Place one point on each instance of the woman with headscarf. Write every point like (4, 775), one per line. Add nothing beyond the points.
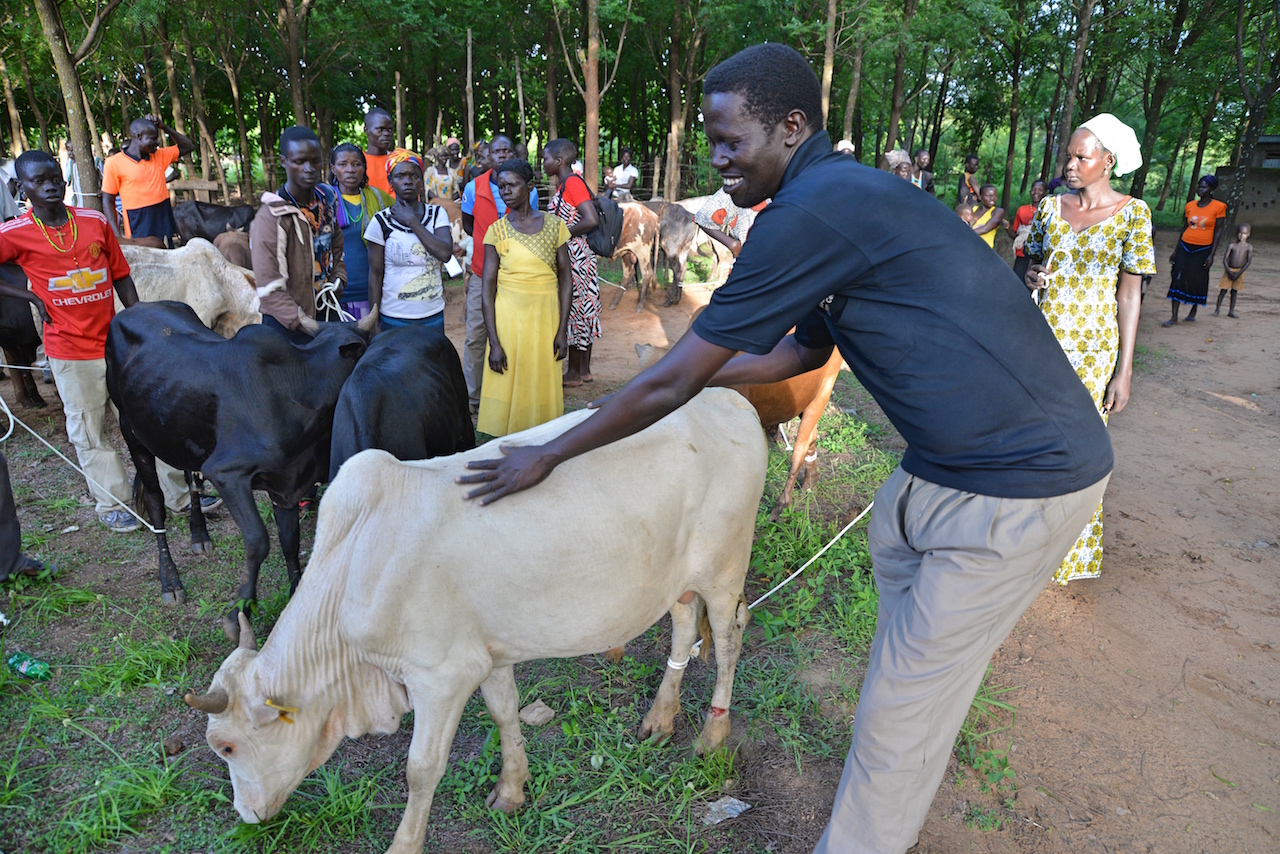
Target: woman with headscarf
(528, 291)
(1089, 250)
(357, 203)
(441, 183)
(1193, 256)
(407, 244)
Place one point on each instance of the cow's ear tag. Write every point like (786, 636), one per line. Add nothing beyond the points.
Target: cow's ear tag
(284, 711)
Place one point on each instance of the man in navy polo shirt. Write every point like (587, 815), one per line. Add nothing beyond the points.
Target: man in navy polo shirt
(1006, 459)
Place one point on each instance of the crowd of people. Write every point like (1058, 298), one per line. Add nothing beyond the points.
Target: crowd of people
(1006, 434)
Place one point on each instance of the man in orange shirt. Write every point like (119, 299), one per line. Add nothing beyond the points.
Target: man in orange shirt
(136, 175)
(1193, 256)
(380, 132)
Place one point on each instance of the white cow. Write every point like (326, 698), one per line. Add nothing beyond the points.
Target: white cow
(222, 294)
(414, 597)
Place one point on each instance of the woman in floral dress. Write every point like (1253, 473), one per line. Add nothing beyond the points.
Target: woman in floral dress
(1089, 251)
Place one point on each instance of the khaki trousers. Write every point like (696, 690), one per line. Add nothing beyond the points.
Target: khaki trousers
(955, 571)
(477, 338)
(82, 385)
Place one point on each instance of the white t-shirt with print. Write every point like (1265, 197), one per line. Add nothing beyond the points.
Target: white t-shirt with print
(411, 286)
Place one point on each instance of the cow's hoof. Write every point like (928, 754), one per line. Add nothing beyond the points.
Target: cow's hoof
(673, 298)
(713, 734)
(501, 804)
(173, 597)
(202, 548)
(231, 627)
(657, 731)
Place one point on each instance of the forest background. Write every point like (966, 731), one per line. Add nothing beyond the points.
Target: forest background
(1005, 78)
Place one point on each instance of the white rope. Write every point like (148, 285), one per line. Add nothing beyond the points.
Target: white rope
(21, 367)
(783, 434)
(789, 578)
(327, 298)
(677, 665)
(13, 419)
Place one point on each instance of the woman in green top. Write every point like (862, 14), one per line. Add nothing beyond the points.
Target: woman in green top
(359, 202)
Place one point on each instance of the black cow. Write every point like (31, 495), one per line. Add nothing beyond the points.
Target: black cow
(19, 339)
(201, 219)
(251, 412)
(406, 397)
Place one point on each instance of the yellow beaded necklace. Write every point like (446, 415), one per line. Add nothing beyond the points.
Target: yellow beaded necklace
(75, 233)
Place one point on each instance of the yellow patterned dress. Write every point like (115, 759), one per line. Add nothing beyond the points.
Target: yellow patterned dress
(1080, 305)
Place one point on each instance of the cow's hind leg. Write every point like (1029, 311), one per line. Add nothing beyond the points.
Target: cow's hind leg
(728, 620)
(171, 592)
(660, 721)
(288, 528)
(503, 701)
(24, 384)
(237, 497)
(200, 542)
(437, 708)
(675, 291)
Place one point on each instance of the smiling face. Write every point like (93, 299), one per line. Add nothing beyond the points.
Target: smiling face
(1087, 161)
(922, 160)
(455, 150)
(1038, 190)
(349, 169)
(380, 132)
(903, 170)
(406, 182)
(750, 158)
(302, 168)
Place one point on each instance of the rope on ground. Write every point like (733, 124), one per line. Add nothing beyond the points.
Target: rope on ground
(792, 576)
(327, 298)
(13, 419)
(21, 368)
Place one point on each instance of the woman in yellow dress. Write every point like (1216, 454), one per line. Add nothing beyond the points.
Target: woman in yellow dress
(1089, 250)
(528, 290)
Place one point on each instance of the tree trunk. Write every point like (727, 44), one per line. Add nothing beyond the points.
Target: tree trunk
(591, 96)
(1168, 174)
(909, 8)
(171, 78)
(1206, 121)
(1151, 135)
(1253, 130)
(855, 87)
(939, 111)
(524, 128)
(242, 130)
(1015, 91)
(1026, 154)
(1047, 162)
(432, 108)
(41, 119)
(553, 129)
(73, 98)
(293, 13)
(471, 101)
(1077, 65)
(197, 97)
(399, 110)
(153, 100)
(95, 141)
(267, 137)
(16, 143)
(828, 59)
(675, 99)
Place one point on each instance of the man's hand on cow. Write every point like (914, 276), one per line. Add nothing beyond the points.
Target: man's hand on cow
(497, 359)
(520, 468)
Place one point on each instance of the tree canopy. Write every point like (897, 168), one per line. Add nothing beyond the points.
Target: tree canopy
(1003, 78)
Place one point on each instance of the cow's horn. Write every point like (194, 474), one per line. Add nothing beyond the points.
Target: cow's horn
(247, 640)
(213, 703)
(307, 324)
(367, 323)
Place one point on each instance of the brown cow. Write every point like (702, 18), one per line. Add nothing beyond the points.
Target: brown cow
(637, 250)
(234, 246)
(777, 403)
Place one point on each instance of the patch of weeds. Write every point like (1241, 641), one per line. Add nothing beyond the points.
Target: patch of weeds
(839, 433)
(1147, 357)
(60, 505)
(133, 664)
(334, 811)
(851, 619)
(985, 820)
(985, 720)
(54, 600)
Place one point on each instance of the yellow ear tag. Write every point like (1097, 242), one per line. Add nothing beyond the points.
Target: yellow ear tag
(284, 711)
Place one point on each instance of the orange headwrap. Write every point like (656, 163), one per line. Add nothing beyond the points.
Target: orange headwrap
(400, 155)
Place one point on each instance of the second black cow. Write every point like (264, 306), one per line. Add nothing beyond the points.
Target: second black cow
(406, 397)
(201, 219)
(251, 412)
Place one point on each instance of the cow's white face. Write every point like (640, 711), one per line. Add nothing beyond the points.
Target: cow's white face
(268, 748)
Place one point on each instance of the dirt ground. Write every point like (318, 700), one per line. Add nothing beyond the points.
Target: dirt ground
(1147, 699)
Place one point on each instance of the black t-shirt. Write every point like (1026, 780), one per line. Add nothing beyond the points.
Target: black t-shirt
(934, 324)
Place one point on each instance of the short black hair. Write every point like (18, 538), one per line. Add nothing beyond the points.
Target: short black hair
(375, 111)
(972, 156)
(31, 159)
(624, 150)
(498, 136)
(297, 133)
(773, 80)
(563, 149)
(141, 123)
(986, 187)
(920, 151)
(520, 167)
(1040, 181)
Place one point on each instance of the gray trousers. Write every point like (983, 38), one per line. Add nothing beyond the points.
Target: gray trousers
(955, 571)
(477, 338)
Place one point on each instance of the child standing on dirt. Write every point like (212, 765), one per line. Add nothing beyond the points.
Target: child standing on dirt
(1236, 260)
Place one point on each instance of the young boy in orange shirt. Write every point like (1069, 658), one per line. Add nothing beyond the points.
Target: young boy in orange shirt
(137, 176)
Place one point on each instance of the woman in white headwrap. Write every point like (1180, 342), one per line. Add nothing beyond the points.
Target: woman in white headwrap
(1089, 250)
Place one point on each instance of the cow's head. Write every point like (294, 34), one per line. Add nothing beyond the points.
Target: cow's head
(352, 338)
(268, 742)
